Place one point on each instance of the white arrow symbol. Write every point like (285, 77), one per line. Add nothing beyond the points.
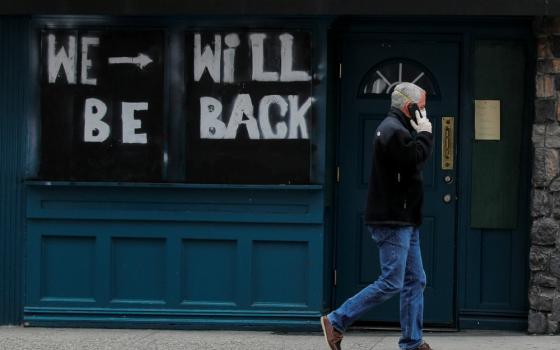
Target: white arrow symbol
(141, 60)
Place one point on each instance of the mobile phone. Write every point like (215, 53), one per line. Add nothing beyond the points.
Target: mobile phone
(412, 108)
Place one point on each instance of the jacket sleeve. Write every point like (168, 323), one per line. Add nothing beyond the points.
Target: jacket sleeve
(409, 153)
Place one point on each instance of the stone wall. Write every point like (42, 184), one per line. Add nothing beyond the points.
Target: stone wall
(544, 256)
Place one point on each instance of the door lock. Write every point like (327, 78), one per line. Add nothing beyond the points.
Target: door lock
(447, 198)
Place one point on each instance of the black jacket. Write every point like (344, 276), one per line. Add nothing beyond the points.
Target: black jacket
(395, 191)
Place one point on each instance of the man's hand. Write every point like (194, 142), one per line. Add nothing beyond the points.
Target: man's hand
(423, 123)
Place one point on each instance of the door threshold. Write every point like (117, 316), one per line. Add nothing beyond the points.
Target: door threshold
(363, 328)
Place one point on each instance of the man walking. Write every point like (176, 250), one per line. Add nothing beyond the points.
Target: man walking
(393, 215)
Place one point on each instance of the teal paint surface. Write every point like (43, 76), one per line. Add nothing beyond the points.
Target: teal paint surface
(13, 58)
(211, 264)
(126, 209)
(175, 255)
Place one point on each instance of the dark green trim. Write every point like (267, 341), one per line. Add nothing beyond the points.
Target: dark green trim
(76, 184)
(285, 7)
(14, 55)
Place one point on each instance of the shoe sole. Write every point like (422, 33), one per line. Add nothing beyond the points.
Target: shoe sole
(325, 332)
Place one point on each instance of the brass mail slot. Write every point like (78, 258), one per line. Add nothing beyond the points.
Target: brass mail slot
(447, 142)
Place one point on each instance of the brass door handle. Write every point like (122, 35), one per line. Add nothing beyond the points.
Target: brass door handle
(447, 142)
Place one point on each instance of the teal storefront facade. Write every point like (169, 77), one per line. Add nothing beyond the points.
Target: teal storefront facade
(171, 253)
(269, 235)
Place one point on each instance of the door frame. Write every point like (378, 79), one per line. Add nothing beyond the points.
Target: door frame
(466, 30)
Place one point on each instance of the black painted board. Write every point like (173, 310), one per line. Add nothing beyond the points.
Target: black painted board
(65, 153)
(247, 157)
(499, 75)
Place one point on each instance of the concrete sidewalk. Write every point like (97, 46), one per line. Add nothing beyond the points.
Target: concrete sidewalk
(18, 338)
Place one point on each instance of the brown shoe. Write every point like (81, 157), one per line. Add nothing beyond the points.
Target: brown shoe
(424, 346)
(332, 336)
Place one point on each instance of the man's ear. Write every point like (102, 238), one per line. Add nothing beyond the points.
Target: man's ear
(405, 109)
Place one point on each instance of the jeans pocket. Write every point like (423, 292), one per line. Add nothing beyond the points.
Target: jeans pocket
(379, 234)
(398, 236)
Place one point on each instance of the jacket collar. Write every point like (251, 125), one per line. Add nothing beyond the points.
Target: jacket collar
(403, 119)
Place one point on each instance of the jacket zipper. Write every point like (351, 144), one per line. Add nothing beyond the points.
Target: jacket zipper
(399, 181)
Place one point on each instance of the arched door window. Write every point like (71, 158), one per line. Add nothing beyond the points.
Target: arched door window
(382, 78)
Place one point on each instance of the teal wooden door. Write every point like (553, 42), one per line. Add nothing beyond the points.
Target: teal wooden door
(372, 66)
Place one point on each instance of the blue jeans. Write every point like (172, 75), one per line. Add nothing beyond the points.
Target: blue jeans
(401, 271)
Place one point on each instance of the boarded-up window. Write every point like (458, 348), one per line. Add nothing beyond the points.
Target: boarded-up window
(249, 106)
(102, 105)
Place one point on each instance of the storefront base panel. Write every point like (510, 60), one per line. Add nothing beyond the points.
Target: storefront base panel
(172, 319)
(185, 256)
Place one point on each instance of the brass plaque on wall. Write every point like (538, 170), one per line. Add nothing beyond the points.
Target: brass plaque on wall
(487, 120)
